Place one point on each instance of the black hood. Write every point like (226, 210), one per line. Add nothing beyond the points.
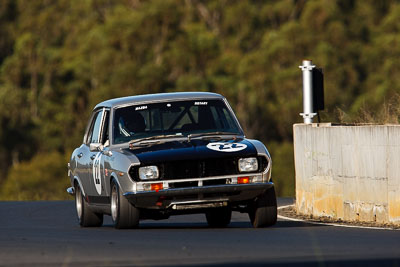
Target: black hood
(195, 149)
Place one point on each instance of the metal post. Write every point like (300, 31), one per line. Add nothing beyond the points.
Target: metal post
(307, 114)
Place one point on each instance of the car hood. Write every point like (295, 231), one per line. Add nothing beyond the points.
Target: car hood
(195, 149)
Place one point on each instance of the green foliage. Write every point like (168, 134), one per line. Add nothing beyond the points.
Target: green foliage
(283, 168)
(60, 58)
(41, 178)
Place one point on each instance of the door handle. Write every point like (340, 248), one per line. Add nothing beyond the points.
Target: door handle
(80, 155)
(92, 157)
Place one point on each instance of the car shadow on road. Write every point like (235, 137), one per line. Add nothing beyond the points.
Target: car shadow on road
(202, 225)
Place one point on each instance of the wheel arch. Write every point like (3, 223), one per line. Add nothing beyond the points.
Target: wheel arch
(76, 180)
(113, 177)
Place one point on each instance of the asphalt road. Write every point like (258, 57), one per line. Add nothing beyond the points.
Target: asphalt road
(47, 234)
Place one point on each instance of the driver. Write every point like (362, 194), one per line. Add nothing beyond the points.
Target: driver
(131, 123)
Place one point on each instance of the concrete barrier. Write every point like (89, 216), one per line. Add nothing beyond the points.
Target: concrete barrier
(348, 172)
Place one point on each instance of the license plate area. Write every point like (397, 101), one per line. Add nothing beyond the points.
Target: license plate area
(198, 205)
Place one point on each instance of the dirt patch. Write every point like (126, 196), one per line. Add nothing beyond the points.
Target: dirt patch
(290, 212)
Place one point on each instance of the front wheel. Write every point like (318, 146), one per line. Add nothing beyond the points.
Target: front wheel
(219, 217)
(86, 217)
(123, 213)
(263, 212)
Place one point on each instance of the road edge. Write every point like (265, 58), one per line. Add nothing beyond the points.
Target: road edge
(329, 224)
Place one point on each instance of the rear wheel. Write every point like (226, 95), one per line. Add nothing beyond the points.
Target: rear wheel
(123, 213)
(86, 217)
(263, 212)
(219, 217)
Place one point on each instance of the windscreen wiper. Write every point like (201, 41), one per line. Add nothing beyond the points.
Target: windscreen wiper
(152, 139)
(212, 135)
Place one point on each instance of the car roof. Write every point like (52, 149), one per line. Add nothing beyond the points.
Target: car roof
(157, 98)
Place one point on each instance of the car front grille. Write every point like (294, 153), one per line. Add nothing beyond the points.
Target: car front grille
(198, 168)
(184, 169)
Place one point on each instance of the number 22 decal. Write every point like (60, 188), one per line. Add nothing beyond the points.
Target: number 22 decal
(97, 172)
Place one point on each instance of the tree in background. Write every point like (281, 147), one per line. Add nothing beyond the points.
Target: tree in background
(59, 58)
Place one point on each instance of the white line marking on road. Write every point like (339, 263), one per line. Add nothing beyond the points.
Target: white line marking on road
(330, 224)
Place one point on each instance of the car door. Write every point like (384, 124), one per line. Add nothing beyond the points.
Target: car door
(88, 157)
(96, 165)
(107, 155)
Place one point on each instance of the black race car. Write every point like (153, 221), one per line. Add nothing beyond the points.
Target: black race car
(153, 156)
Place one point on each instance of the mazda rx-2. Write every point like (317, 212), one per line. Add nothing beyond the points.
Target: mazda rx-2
(158, 155)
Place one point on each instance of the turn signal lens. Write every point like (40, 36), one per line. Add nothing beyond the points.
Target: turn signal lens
(156, 187)
(257, 179)
(243, 180)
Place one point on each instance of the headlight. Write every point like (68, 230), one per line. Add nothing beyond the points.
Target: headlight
(148, 172)
(248, 164)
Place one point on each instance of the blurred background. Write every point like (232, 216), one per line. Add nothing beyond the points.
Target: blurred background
(60, 58)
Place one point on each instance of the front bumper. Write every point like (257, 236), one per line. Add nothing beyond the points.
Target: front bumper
(177, 197)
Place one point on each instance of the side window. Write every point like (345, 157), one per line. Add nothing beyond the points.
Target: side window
(94, 131)
(104, 135)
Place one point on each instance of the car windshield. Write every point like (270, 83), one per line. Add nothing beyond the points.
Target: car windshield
(180, 118)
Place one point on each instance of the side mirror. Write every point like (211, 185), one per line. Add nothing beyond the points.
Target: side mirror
(107, 143)
(96, 147)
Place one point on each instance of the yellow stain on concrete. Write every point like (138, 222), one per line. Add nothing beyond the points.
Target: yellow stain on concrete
(394, 208)
(304, 202)
(320, 202)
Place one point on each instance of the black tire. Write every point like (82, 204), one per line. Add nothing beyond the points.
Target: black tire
(219, 217)
(264, 212)
(86, 217)
(123, 213)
